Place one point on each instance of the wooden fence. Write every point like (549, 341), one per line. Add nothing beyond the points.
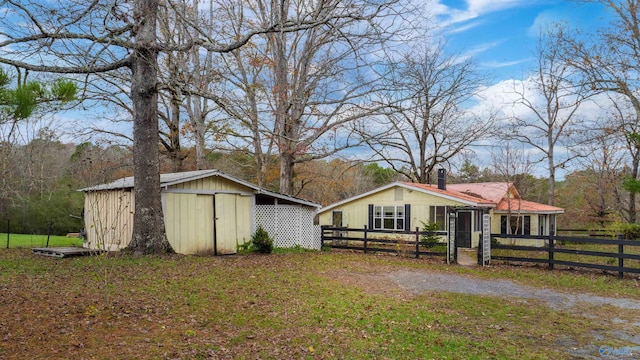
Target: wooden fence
(361, 239)
(591, 248)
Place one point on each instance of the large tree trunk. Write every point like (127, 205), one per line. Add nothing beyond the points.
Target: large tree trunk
(149, 235)
(286, 172)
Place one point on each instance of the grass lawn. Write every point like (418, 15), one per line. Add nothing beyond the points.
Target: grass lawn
(31, 241)
(306, 305)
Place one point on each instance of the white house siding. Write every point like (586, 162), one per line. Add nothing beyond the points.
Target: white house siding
(356, 213)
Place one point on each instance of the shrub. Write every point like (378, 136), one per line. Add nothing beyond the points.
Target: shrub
(630, 231)
(261, 241)
(431, 239)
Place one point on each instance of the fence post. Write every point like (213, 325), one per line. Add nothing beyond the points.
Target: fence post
(8, 231)
(49, 232)
(365, 239)
(480, 251)
(551, 247)
(322, 236)
(417, 242)
(620, 258)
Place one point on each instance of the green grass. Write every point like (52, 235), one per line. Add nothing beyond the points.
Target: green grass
(31, 241)
(302, 305)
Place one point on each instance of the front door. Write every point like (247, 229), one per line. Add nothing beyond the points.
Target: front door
(463, 229)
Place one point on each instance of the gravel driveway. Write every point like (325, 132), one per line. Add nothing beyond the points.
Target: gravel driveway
(418, 282)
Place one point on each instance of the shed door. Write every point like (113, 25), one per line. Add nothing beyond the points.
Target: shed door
(204, 223)
(226, 224)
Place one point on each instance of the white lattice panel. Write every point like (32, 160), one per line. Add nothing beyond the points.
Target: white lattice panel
(289, 225)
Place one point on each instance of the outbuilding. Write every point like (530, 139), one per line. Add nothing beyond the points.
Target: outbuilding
(205, 211)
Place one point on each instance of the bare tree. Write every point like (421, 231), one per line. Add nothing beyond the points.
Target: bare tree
(294, 93)
(80, 37)
(627, 127)
(428, 120)
(603, 165)
(609, 61)
(509, 164)
(551, 101)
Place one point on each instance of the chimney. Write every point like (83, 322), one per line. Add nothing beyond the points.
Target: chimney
(442, 179)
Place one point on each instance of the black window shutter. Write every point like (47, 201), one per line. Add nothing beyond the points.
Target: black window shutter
(407, 217)
(370, 216)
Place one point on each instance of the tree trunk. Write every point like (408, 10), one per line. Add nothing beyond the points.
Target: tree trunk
(632, 195)
(286, 172)
(149, 235)
(199, 129)
(552, 176)
(174, 134)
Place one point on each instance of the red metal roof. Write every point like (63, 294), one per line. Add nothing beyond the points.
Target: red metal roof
(527, 206)
(493, 191)
(491, 194)
(456, 194)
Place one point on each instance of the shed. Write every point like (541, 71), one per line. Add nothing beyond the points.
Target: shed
(205, 211)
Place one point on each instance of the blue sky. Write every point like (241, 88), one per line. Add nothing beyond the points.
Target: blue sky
(501, 34)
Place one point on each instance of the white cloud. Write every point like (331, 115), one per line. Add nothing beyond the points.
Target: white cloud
(544, 21)
(473, 52)
(501, 64)
(477, 8)
(453, 29)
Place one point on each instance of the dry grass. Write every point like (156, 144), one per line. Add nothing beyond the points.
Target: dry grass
(303, 305)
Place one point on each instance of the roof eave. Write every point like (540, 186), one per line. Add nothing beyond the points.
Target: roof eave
(541, 212)
(408, 187)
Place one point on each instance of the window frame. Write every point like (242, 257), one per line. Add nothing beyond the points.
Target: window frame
(389, 217)
(543, 224)
(522, 224)
(436, 212)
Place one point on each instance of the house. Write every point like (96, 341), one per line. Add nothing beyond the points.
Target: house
(404, 206)
(205, 211)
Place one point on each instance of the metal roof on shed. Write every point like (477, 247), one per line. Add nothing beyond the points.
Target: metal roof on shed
(186, 176)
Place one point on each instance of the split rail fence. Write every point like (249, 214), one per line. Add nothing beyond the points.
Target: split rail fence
(607, 254)
(369, 240)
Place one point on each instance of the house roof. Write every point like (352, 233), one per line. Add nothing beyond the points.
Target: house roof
(492, 191)
(424, 188)
(473, 199)
(186, 176)
(527, 206)
(489, 194)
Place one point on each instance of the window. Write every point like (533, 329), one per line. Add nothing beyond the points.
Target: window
(519, 225)
(388, 217)
(542, 225)
(337, 218)
(477, 225)
(438, 215)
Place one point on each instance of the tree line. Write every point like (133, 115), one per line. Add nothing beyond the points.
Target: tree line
(294, 83)
(43, 190)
